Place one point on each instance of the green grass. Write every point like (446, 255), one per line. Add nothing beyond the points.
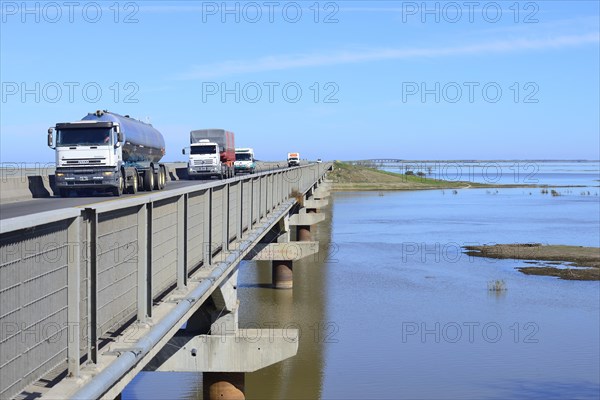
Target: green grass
(347, 170)
(419, 179)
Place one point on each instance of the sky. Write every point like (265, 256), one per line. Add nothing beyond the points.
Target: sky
(337, 80)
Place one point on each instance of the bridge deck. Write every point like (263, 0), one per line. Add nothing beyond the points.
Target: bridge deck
(81, 281)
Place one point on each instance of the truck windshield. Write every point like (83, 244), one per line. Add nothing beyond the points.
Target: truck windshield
(243, 157)
(212, 149)
(84, 137)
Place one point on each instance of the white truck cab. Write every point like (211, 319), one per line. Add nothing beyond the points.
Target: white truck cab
(244, 161)
(205, 159)
(293, 159)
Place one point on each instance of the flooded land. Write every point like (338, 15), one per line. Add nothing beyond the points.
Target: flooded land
(566, 262)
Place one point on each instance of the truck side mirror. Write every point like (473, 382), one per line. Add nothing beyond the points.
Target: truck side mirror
(119, 136)
(50, 137)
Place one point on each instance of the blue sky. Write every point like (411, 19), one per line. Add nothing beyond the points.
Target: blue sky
(355, 80)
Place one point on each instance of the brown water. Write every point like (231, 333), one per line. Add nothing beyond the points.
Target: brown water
(303, 308)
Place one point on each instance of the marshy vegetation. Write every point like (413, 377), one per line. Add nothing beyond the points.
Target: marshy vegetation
(497, 286)
(565, 262)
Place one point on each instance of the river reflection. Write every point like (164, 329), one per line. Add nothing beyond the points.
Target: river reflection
(303, 308)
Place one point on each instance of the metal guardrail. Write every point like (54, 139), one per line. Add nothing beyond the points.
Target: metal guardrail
(71, 278)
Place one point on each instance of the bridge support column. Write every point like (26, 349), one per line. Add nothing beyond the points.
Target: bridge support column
(223, 385)
(303, 222)
(282, 256)
(283, 276)
(303, 233)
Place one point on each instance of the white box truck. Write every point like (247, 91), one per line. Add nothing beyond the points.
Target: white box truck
(293, 159)
(244, 161)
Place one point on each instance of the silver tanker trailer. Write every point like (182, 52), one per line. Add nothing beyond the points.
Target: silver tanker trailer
(107, 152)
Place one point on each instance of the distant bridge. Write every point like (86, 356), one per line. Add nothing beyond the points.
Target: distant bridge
(377, 161)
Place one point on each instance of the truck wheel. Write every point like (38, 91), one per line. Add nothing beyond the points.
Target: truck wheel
(149, 180)
(157, 179)
(134, 184)
(162, 178)
(118, 191)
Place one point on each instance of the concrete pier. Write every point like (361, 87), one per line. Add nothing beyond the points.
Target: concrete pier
(282, 256)
(283, 276)
(303, 221)
(303, 233)
(228, 352)
(223, 385)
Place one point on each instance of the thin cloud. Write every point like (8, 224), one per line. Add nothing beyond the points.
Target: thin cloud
(287, 62)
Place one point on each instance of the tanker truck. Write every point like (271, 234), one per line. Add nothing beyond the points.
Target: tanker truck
(107, 152)
(211, 153)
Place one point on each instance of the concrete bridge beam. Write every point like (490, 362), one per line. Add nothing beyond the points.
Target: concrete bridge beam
(305, 219)
(313, 206)
(225, 297)
(321, 193)
(224, 359)
(247, 350)
(225, 322)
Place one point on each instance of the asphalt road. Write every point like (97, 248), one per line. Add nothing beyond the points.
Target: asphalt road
(20, 208)
(26, 207)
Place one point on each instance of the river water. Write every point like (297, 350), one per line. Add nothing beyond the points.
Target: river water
(392, 308)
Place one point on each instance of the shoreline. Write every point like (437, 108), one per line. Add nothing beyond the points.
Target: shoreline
(368, 187)
(348, 177)
(577, 262)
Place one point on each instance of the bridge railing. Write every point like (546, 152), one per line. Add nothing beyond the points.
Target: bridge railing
(71, 279)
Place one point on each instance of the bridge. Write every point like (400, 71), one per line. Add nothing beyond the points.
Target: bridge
(92, 294)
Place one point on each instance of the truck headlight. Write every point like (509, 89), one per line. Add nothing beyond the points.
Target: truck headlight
(107, 173)
(60, 174)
